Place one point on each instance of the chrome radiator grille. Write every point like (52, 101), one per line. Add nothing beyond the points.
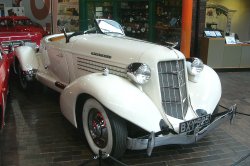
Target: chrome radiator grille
(173, 88)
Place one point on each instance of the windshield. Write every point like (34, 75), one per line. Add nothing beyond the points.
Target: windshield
(24, 22)
(109, 26)
(103, 26)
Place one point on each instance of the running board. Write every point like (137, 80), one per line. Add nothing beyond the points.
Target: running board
(50, 82)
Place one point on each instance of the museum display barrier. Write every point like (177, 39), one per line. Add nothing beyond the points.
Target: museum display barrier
(217, 54)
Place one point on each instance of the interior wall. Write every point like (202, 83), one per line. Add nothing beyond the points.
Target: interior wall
(38, 11)
(6, 2)
(240, 20)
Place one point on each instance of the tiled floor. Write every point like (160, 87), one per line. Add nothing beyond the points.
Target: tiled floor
(36, 133)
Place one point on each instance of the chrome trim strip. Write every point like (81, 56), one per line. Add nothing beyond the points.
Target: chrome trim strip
(93, 67)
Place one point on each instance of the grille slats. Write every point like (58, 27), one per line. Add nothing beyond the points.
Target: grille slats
(94, 66)
(173, 72)
(173, 88)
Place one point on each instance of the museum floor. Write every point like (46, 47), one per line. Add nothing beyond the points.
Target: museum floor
(36, 133)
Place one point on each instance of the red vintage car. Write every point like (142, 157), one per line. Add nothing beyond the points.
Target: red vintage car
(4, 77)
(8, 42)
(9, 39)
(20, 24)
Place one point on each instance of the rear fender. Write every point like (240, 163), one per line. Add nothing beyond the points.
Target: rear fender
(115, 93)
(26, 57)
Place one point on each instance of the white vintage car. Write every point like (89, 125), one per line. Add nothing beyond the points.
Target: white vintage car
(112, 85)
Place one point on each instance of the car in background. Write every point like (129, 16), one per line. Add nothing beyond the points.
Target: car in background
(8, 42)
(9, 39)
(20, 24)
(4, 86)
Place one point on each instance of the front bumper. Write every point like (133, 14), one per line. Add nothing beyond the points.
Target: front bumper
(30, 74)
(184, 138)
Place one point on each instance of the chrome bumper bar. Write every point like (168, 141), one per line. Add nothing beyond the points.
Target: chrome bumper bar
(184, 138)
(30, 74)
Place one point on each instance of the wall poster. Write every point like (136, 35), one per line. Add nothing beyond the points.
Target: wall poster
(14, 11)
(68, 14)
(17, 9)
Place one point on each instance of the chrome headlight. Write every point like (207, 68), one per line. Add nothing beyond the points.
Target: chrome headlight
(140, 73)
(194, 66)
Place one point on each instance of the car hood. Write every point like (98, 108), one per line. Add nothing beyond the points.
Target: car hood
(118, 49)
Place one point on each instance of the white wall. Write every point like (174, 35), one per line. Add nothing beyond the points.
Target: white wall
(39, 4)
(7, 3)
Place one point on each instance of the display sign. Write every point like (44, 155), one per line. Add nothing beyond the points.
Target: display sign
(218, 33)
(212, 33)
(230, 39)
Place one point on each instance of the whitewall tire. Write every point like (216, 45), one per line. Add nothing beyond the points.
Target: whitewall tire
(103, 129)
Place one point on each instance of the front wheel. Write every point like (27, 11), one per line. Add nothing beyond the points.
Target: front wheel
(103, 129)
(24, 84)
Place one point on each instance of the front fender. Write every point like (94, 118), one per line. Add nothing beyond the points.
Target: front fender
(115, 93)
(206, 92)
(26, 57)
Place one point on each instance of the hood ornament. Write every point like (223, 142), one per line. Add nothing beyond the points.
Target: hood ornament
(105, 71)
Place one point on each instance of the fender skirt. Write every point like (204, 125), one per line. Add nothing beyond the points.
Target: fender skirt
(115, 93)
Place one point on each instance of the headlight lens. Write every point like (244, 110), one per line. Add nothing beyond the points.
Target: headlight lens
(194, 66)
(140, 73)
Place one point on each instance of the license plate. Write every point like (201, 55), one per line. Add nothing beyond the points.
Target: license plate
(190, 125)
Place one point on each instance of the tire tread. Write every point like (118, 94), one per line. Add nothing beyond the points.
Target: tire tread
(119, 126)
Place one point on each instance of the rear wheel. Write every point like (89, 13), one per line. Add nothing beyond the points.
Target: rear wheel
(103, 129)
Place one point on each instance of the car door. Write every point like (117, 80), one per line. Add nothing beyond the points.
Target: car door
(58, 62)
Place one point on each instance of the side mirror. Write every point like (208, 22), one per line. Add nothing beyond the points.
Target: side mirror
(1, 57)
(110, 27)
